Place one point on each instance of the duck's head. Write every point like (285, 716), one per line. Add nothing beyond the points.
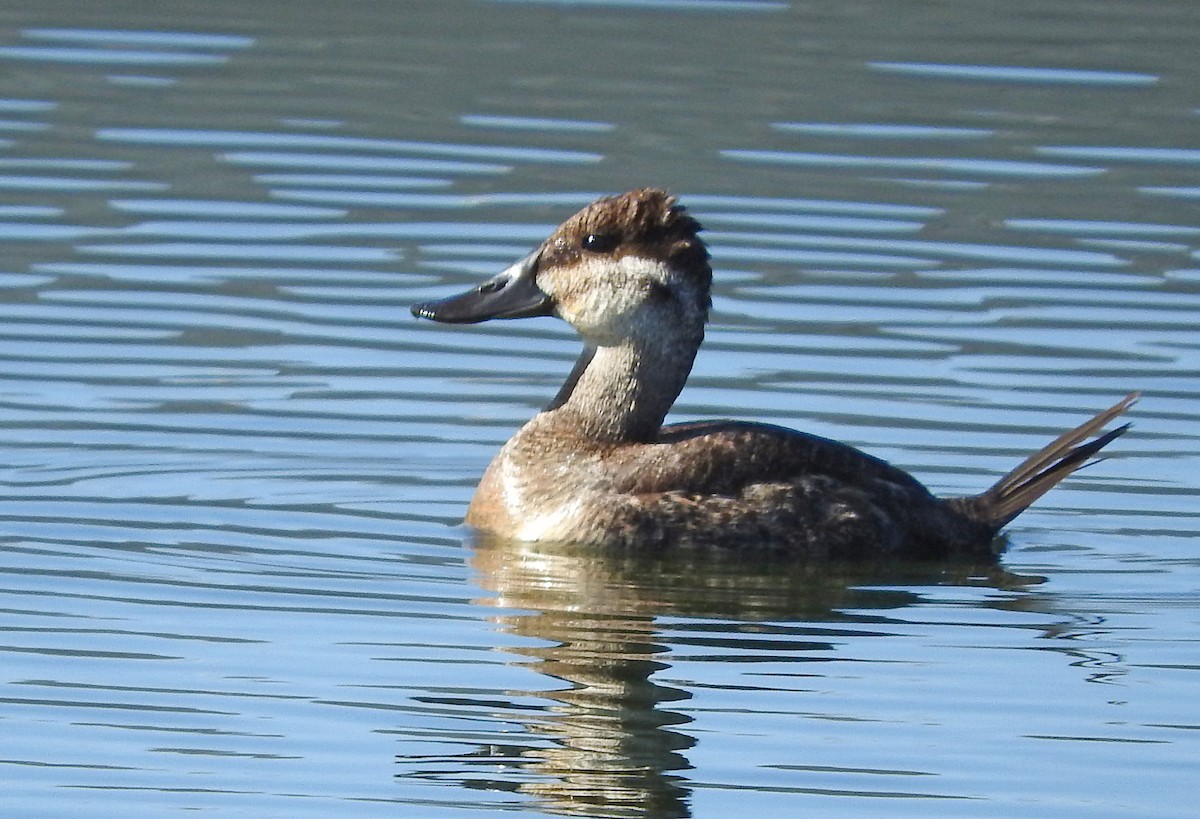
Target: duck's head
(624, 267)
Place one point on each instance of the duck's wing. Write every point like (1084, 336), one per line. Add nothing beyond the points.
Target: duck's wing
(739, 485)
(725, 457)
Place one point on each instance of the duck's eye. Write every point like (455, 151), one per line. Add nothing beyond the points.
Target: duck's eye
(599, 242)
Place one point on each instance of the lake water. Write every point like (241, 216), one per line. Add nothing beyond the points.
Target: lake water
(232, 576)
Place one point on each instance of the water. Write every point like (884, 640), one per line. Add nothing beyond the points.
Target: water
(232, 576)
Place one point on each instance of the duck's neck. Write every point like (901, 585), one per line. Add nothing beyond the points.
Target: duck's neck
(622, 393)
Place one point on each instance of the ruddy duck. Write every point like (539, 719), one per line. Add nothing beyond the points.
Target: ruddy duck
(598, 468)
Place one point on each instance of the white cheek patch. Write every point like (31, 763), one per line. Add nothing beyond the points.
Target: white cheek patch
(603, 297)
(644, 271)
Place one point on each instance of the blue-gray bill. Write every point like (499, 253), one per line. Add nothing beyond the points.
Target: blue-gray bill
(511, 294)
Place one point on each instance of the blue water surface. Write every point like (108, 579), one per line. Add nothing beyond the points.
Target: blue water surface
(233, 578)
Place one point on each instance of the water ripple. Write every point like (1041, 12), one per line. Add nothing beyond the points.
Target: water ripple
(253, 139)
(224, 209)
(980, 166)
(946, 250)
(535, 124)
(1018, 74)
(177, 39)
(407, 165)
(667, 5)
(871, 130)
(102, 56)
(27, 106)
(245, 251)
(1183, 156)
(233, 465)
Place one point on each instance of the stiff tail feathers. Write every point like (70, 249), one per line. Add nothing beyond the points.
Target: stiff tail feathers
(1041, 471)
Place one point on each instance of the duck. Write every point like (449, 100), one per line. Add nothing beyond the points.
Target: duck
(599, 469)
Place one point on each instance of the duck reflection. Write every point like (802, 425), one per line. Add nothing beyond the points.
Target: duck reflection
(612, 743)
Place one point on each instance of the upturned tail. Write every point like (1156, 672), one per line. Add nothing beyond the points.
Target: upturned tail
(1041, 471)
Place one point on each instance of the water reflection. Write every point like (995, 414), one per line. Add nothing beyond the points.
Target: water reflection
(614, 740)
